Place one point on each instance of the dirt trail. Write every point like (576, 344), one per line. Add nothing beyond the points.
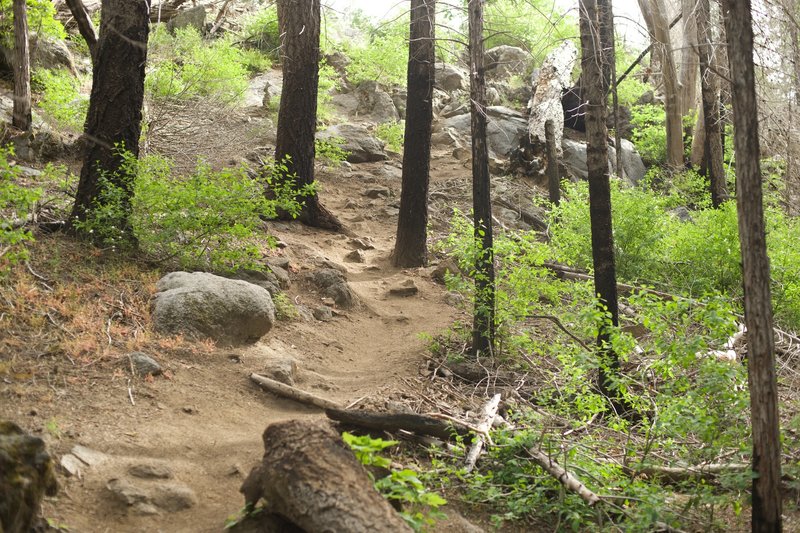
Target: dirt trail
(204, 422)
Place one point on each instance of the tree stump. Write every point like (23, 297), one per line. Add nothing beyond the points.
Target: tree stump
(310, 478)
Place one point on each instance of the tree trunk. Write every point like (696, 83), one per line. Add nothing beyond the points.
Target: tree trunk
(85, 26)
(411, 248)
(711, 118)
(114, 119)
(766, 497)
(22, 69)
(299, 22)
(605, 280)
(553, 178)
(674, 126)
(689, 61)
(484, 312)
(311, 478)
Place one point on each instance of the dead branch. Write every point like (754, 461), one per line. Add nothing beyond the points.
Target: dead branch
(292, 393)
(393, 422)
(487, 418)
(569, 481)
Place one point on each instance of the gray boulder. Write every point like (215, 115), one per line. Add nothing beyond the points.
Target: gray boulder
(374, 103)
(194, 17)
(333, 284)
(632, 162)
(202, 305)
(362, 146)
(503, 61)
(504, 130)
(575, 160)
(451, 78)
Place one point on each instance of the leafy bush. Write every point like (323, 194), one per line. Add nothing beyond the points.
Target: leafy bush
(261, 31)
(41, 19)
(184, 66)
(384, 56)
(328, 82)
(61, 99)
(15, 203)
(331, 151)
(649, 132)
(392, 134)
(208, 220)
(403, 486)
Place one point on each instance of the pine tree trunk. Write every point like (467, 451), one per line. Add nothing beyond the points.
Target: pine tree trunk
(22, 69)
(766, 497)
(711, 118)
(411, 248)
(689, 61)
(553, 178)
(596, 89)
(484, 312)
(85, 26)
(114, 118)
(299, 22)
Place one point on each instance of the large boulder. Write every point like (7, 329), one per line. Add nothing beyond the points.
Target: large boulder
(632, 162)
(450, 77)
(374, 103)
(194, 17)
(575, 160)
(26, 476)
(361, 145)
(503, 61)
(504, 129)
(202, 305)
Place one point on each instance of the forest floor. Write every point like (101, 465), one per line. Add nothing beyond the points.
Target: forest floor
(70, 317)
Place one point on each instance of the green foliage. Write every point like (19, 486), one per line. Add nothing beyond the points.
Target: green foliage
(284, 308)
(404, 486)
(384, 55)
(630, 90)
(649, 132)
(61, 99)
(15, 203)
(392, 134)
(255, 61)
(535, 25)
(331, 151)
(261, 31)
(41, 20)
(328, 82)
(208, 220)
(184, 66)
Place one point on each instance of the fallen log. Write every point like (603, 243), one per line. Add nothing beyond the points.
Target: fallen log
(487, 418)
(292, 393)
(569, 481)
(310, 478)
(392, 422)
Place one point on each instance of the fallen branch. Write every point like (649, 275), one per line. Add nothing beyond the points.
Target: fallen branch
(487, 418)
(527, 216)
(558, 323)
(678, 474)
(392, 422)
(292, 393)
(569, 481)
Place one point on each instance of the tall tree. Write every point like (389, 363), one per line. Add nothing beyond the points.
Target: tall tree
(595, 73)
(655, 12)
(688, 58)
(299, 23)
(484, 312)
(85, 25)
(766, 497)
(709, 93)
(22, 69)
(115, 105)
(410, 249)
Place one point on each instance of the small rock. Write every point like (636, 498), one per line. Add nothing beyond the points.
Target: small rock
(143, 364)
(323, 313)
(407, 288)
(453, 298)
(462, 154)
(443, 269)
(281, 262)
(328, 301)
(282, 275)
(390, 211)
(126, 492)
(89, 456)
(174, 497)
(362, 244)
(189, 410)
(356, 256)
(283, 370)
(377, 192)
(150, 471)
(145, 509)
(72, 465)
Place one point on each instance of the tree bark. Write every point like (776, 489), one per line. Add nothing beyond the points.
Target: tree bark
(312, 479)
(484, 311)
(605, 280)
(710, 97)
(114, 119)
(674, 126)
(411, 249)
(85, 26)
(689, 60)
(299, 23)
(553, 178)
(21, 118)
(766, 497)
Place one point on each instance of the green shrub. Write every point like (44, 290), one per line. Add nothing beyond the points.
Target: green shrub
(328, 82)
(184, 66)
(61, 99)
(261, 31)
(392, 134)
(41, 19)
(383, 57)
(208, 220)
(649, 133)
(15, 204)
(330, 151)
